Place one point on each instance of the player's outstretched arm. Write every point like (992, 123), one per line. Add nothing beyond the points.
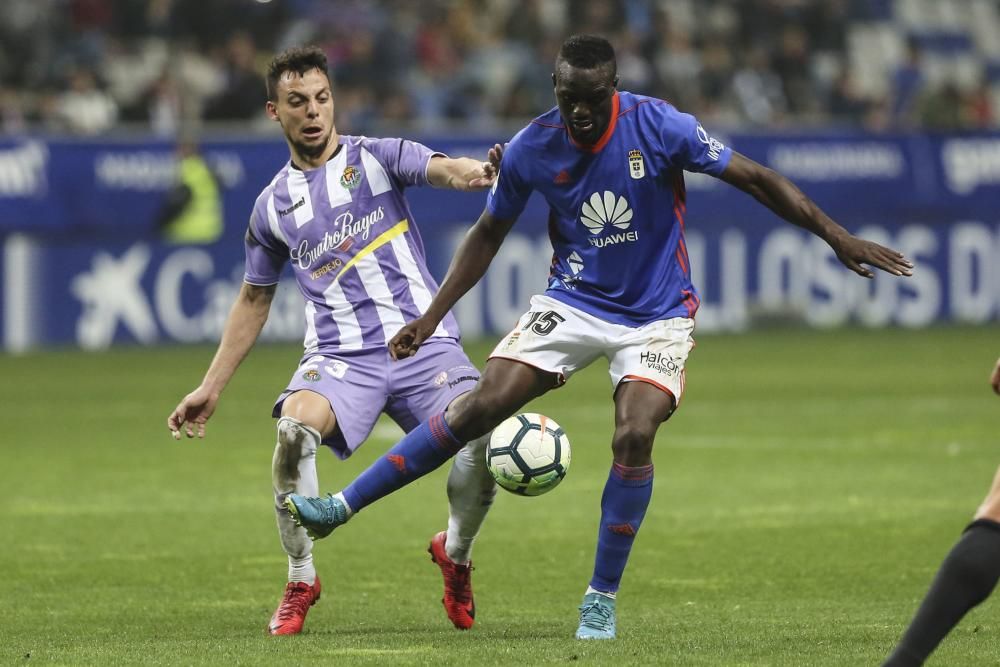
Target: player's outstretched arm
(467, 268)
(782, 196)
(464, 173)
(995, 377)
(245, 321)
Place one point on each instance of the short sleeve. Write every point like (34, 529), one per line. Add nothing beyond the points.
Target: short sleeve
(511, 190)
(406, 160)
(265, 254)
(688, 145)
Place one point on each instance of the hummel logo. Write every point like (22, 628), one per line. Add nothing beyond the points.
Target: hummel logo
(622, 529)
(562, 178)
(398, 461)
(285, 211)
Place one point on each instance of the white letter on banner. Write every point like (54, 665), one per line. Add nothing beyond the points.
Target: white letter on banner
(514, 276)
(971, 269)
(730, 313)
(874, 299)
(469, 309)
(919, 245)
(733, 281)
(781, 253)
(169, 287)
(710, 317)
(21, 302)
(828, 299)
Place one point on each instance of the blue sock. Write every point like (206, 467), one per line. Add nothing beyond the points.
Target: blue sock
(420, 451)
(623, 505)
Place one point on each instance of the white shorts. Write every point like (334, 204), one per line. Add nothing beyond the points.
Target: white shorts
(560, 339)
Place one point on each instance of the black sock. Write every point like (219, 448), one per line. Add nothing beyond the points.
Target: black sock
(967, 577)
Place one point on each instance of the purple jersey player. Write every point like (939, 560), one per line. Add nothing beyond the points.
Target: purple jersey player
(337, 213)
(610, 165)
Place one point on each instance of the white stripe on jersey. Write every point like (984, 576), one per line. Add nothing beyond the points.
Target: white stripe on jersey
(298, 190)
(338, 194)
(378, 289)
(272, 220)
(378, 180)
(343, 315)
(408, 267)
(311, 342)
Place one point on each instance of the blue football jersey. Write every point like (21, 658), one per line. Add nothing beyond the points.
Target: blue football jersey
(617, 208)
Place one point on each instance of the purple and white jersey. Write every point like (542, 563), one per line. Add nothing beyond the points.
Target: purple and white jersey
(349, 234)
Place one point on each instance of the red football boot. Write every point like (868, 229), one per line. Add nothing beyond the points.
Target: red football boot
(291, 613)
(457, 600)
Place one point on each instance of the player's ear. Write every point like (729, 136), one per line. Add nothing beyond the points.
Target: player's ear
(272, 110)
(553, 79)
(615, 82)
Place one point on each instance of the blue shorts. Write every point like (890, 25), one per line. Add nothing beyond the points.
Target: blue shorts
(362, 385)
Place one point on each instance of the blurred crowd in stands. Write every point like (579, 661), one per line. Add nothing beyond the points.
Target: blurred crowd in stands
(88, 66)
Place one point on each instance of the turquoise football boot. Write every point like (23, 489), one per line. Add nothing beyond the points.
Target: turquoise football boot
(597, 617)
(319, 516)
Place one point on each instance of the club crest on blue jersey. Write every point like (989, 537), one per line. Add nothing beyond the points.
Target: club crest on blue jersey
(351, 177)
(636, 166)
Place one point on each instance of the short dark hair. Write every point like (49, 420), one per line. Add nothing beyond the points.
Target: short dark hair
(588, 52)
(298, 59)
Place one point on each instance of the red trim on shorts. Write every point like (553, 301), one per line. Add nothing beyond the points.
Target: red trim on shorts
(560, 378)
(639, 378)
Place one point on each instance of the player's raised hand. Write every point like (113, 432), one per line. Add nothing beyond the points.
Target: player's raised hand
(192, 413)
(853, 252)
(409, 339)
(495, 156)
(995, 377)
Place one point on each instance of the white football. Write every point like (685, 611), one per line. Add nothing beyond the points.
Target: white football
(528, 454)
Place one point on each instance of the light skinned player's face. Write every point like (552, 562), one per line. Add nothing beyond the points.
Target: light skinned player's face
(584, 97)
(303, 106)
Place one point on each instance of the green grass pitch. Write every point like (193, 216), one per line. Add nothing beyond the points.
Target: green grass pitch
(805, 494)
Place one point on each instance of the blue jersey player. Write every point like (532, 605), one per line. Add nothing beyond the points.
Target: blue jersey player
(610, 165)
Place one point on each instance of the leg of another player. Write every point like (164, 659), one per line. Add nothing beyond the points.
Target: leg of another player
(306, 418)
(505, 386)
(471, 490)
(503, 389)
(640, 408)
(967, 577)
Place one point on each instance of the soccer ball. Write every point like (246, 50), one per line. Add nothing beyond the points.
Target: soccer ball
(528, 454)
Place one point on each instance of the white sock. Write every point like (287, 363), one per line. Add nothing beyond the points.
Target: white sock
(341, 498)
(301, 569)
(470, 493)
(293, 470)
(604, 593)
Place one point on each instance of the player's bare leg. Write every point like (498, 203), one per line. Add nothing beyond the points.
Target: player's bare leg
(306, 418)
(967, 577)
(640, 408)
(506, 386)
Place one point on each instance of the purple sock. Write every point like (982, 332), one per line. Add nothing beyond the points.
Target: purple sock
(420, 451)
(626, 497)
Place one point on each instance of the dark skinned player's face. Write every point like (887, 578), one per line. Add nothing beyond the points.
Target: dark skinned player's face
(584, 97)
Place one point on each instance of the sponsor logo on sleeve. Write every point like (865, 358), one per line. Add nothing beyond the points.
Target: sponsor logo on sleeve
(715, 147)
